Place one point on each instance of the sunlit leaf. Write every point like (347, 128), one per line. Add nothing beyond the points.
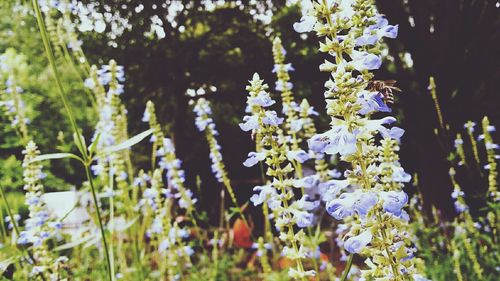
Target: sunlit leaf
(55, 156)
(128, 143)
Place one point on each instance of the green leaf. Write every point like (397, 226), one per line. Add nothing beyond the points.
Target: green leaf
(51, 156)
(5, 263)
(74, 243)
(128, 143)
(93, 145)
(80, 144)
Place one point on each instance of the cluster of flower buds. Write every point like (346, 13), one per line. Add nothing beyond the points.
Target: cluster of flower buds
(205, 123)
(493, 195)
(459, 149)
(284, 85)
(12, 65)
(278, 193)
(462, 230)
(371, 195)
(112, 124)
(457, 195)
(492, 158)
(470, 127)
(39, 227)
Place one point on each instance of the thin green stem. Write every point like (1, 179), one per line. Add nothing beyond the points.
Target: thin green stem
(9, 211)
(283, 191)
(347, 268)
(4, 231)
(101, 227)
(112, 223)
(52, 62)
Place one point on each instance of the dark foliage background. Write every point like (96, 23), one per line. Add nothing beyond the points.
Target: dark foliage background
(456, 41)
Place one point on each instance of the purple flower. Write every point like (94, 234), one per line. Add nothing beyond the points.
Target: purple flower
(296, 125)
(306, 182)
(460, 207)
(382, 106)
(365, 61)
(254, 158)
(358, 201)
(399, 175)
(394, 201)
(456, 193)
(264, 193)
(306, 24)
(390, 31)
(384, 29)
(249, 123)
(271, 118)
(376, 125)
(303, 218)
(304, 204)
(370, 102)
(365, 201)
(366, 39)
(342, 207)
(356, 244)
(330, 189)
(337, 140)
(298, 155)
(285, 67)
(262, 99)
(394, 133)
(283, 87)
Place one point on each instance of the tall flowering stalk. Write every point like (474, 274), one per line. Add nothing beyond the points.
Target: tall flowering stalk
(284, 86)
(107, 131)
(205, 123)
(459, 149)
(353, 30)
(111, 129)
(164, 149)
(298, 126)
(12, 68)
(164, 232)
(39, 227)
(492, 157)
(464, 228)
(164, 228)
(277, 194)
(470, 127)
(293, 124)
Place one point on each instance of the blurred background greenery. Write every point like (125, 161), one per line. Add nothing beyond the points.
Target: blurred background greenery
(456, 41)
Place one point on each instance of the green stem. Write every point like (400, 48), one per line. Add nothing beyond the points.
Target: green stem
(4, 231)
(112, 223)
(9, 211)
(347, 268)
(52, 62)
(101, 227)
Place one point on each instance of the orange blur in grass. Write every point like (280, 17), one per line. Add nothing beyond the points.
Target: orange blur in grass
(242, 234)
